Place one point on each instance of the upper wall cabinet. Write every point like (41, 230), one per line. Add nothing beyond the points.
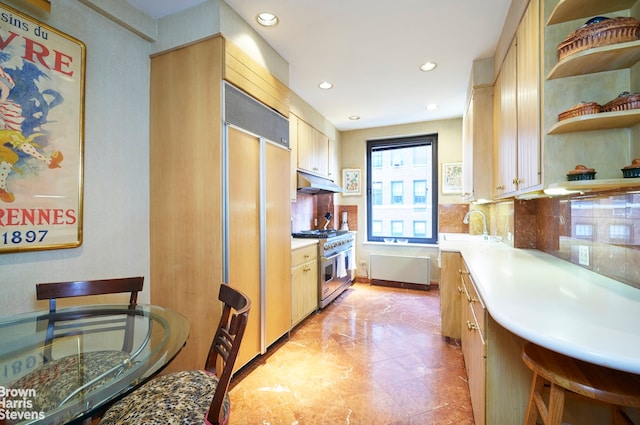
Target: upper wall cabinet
(334, 161)
(517, 142)
(477, 137)
(313, 150)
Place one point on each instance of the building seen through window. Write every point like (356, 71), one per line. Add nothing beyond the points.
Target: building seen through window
(402, 187)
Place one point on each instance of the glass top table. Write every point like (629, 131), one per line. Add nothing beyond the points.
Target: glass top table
(57, 368)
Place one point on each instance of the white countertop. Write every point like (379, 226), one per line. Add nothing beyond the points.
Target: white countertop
(556, 304)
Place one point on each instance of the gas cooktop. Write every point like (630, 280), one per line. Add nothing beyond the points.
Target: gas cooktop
(319, 233)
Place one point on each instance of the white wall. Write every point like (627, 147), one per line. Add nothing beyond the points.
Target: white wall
(116, 163)
(353, 154)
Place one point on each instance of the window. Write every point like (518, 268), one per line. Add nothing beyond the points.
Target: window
(376, 160)
(396, 165)
(420, 228)
(397, 158)
(376, 193)
(397, 189)
(584, 231)
(419, 191)
(376, 228)
(397, 228)
(620, 233)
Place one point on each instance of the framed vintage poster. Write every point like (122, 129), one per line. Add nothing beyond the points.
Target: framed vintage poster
(41, 135)
(351, 181)
(452, 178)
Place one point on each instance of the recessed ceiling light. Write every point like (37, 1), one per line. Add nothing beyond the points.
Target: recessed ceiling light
(354, 117)
(428, 66)
(266, 19)
(325, 85)
(432, 107)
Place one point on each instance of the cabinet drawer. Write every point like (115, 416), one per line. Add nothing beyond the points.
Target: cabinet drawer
(302, 255)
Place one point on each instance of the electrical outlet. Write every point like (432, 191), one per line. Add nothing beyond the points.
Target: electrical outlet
(583, 255)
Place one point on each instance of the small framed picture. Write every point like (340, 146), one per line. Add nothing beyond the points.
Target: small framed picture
(452, 178)
(351, 181)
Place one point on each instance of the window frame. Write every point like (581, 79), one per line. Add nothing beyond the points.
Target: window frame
(405, 142)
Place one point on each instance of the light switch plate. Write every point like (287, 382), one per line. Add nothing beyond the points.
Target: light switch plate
(583, 255)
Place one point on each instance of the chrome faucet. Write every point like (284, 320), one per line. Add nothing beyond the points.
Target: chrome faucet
(465, 220)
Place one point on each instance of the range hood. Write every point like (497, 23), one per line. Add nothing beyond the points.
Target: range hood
(309, 183)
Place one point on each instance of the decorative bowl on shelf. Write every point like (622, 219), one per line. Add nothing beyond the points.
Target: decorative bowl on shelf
(624, 102)
(583, 108)
(581, 172)
(402, 240)
(389, 240)
(633, 170)
(599, 32)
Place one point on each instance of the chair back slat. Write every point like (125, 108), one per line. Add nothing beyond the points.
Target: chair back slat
(52, 291)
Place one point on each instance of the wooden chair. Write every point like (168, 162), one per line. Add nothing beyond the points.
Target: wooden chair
(562, 373)
(191, 397)
(56, 290)
(74, 375)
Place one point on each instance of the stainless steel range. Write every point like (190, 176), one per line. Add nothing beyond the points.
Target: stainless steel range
(335, 262)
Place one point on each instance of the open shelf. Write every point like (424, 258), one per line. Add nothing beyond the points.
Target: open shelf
(601, 121)
(598, 59)
(568, 10)
(596, 185)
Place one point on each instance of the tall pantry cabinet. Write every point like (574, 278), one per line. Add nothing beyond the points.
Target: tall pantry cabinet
(191, 235)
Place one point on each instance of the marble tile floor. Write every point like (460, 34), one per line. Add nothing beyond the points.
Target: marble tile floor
(374, 356)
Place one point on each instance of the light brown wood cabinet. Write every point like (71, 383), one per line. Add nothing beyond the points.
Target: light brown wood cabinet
(313, 150)
(498, 379)
(333, 172)
(304, 283)
(186, 194)
(185, 190)
(450, 294)
(473, 339)
(477, 142)
(517, 140)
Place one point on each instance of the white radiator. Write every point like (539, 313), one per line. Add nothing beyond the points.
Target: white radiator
(400, 268)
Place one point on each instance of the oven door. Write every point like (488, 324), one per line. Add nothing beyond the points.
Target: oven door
(328, 279)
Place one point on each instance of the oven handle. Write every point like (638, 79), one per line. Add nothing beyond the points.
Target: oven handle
(332, 257)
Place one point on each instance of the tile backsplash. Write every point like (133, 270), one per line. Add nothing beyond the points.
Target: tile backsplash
(600, 232)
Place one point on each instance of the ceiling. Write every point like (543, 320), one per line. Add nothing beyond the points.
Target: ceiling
(371, 51)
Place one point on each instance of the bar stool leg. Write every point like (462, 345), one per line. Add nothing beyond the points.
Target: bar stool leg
(556, 405)
(551, 414)
(537, 385)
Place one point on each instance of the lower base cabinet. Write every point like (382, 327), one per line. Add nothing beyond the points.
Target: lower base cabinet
(499, 381)
(450, 294)
(304, 283)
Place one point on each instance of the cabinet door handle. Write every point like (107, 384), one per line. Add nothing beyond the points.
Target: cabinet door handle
(501, 187)
(307, 255)
(473, 300)
(460, 290)
(463, 272)
(471, 326)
